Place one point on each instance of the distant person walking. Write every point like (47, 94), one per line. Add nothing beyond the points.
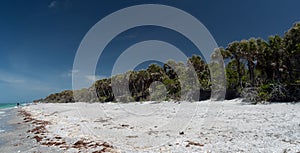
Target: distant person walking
(18, 104)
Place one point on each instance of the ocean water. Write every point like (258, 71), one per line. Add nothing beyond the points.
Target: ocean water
(5, 114)
(7, 105)
(2, 114)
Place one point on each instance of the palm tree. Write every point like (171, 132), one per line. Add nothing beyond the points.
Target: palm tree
(292, 46)
(263, 60)
(277, 52)
(201, 68)
(235, 52)
(250, 53)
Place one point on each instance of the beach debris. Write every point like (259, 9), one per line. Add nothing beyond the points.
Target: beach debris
(40, 129)
(105, 144)
(152, 132)
(194, 144)
(124, 125)
(54, 143)
(16, 144)
(58, 137)
(84, 144)
(132, 136)
(102, 120)
(80, 144)
(121, 126)
(38, 138)
(37, 130)
(103, 150)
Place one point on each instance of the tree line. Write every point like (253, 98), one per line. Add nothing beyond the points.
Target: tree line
(257, 70)
(268, 68)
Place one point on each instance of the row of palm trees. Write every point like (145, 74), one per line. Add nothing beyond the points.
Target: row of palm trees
(267, 65)
(267, 61)
(271, 65)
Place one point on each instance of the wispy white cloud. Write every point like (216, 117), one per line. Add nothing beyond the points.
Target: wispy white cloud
(88, 77)
(64, 4)
(52, 4)
(19, 81)
(69, 73)
(10, 79)
(15, 87)
(94, 78)
(82, 79)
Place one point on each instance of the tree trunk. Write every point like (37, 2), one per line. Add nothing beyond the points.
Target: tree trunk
(251, 72)
(277, 72)
(239, 72)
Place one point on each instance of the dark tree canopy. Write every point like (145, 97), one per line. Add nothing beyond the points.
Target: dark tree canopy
(270, 69)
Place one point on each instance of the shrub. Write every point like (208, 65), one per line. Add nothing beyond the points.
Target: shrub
(250, 95)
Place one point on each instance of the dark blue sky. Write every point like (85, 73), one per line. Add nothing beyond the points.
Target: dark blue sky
(39, 39)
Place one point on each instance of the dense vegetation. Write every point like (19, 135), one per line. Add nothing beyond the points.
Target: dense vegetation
(266, 70)
(257, 70)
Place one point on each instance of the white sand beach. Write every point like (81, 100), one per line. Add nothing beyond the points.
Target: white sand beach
(228, 126)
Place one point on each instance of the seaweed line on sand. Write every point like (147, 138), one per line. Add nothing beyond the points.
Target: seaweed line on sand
(39, 132)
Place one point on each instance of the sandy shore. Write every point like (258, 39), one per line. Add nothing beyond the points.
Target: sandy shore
(228, 126)
(16, 139)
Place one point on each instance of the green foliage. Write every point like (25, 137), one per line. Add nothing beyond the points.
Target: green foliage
(250, 95)
(232, 76)
(273, 67)
(64, 96)
(158, 92)
(264, 92)
(256, 69)
(273, 92)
